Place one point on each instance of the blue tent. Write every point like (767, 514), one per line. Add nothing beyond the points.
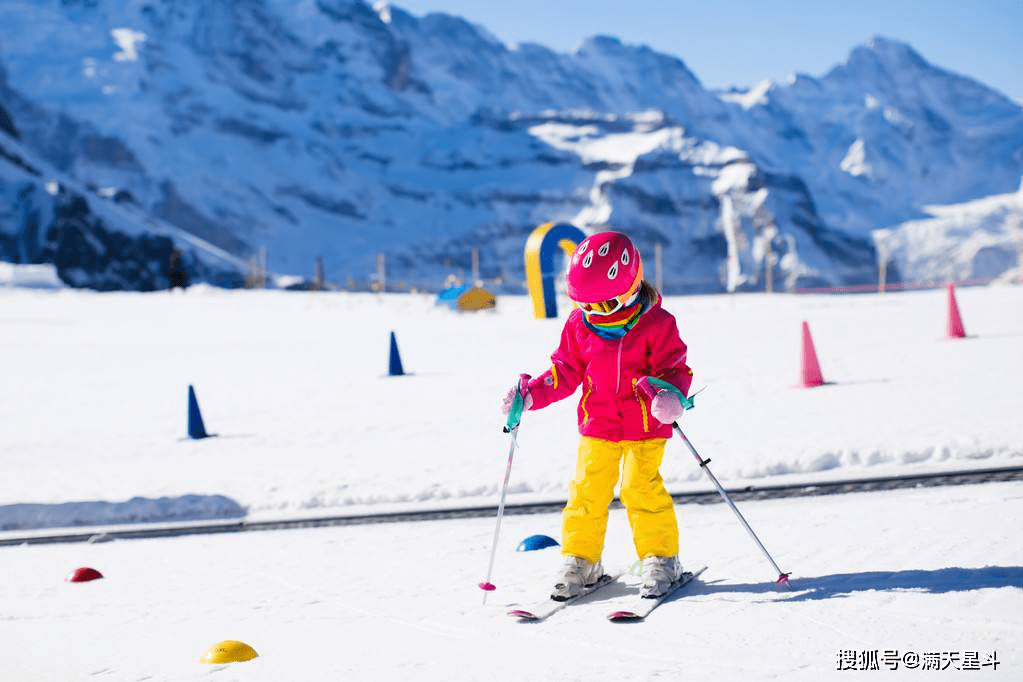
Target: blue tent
(449, 297)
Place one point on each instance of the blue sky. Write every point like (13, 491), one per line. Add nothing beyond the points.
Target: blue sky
(740, 42)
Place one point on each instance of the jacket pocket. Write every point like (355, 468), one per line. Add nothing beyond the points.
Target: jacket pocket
(642, 406)
(586, 396)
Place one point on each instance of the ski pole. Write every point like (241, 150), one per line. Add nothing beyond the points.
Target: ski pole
(651, 385)
(512, 427)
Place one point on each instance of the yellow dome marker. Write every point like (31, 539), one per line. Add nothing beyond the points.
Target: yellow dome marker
(228, 651)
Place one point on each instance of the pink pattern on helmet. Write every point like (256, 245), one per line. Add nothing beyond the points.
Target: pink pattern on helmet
(604, 266)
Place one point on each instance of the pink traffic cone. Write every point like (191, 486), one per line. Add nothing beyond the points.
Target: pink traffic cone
(955, 322)
(811, 368)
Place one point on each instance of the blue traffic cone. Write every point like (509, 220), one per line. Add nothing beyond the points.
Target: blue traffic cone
(196, 429)
(395, 369)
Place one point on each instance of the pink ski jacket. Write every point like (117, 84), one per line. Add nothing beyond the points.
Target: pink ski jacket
(612, 406)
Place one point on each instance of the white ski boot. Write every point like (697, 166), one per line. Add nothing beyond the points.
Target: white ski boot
(659, 573)
(576, 574)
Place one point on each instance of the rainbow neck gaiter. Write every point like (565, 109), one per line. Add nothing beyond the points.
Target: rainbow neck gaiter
(618, 324)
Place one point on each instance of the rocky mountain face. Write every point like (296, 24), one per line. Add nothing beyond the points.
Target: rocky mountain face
(96, 239)
(326, 128)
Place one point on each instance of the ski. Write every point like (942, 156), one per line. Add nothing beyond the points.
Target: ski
(543, 609)
(641, 607)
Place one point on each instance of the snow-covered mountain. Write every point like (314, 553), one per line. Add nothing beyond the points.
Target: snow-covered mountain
(978, 239)
(324, 127)
(96, 238)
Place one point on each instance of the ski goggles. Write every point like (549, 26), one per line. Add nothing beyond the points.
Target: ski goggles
(611, 306)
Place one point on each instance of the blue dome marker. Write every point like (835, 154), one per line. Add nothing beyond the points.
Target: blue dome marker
(534, 542)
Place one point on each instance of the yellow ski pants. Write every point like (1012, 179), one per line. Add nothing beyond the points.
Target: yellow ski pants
(650, 508)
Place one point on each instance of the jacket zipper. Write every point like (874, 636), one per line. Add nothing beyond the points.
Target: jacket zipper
(618, 384)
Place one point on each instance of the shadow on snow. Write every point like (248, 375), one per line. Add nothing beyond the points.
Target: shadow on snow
(841, 585)
(136, 510)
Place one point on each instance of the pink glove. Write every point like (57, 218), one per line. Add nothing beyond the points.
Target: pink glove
(509, 398)
(665, 407)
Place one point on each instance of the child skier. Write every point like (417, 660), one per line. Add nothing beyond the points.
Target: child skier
(618, 334)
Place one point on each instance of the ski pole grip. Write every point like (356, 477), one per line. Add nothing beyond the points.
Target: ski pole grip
(652, 385)
(518, 405)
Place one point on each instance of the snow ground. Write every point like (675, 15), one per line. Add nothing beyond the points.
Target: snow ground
(95, 394)
(93, 414)
(922, 571)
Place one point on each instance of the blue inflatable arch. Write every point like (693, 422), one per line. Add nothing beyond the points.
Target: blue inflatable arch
(541, 247)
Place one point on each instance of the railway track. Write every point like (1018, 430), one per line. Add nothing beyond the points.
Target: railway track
(767, 492)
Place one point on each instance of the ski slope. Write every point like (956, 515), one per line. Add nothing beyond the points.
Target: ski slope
(93, 433)
(921, 571)
(308, 423)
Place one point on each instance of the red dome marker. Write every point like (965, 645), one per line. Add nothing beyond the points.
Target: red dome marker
(83, 575)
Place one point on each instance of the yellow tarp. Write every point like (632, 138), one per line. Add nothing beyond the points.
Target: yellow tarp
(476, 299)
